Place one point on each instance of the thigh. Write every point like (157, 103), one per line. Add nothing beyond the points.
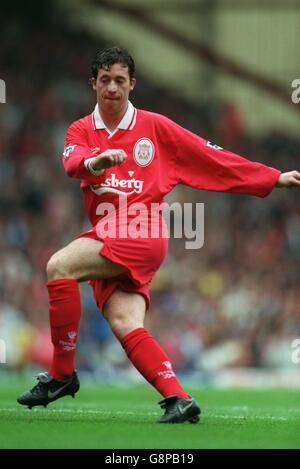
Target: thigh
(83, 260)
(103, 289)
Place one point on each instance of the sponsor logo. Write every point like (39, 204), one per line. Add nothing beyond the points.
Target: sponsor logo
(213, 145)
(143, 152)
(68, 150)
(117, 186)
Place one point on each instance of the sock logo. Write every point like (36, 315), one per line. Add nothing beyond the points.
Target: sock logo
(72, 335)
(69, 346)
(168, 365)
(169, 373)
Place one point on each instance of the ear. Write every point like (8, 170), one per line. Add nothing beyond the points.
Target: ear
(132, 83)
(93, 83)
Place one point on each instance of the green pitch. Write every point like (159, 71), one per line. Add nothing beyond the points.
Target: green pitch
(113, 417)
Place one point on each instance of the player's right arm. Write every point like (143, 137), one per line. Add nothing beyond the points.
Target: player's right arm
(80, 161)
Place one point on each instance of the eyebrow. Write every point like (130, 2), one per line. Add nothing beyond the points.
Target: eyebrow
(106, 75)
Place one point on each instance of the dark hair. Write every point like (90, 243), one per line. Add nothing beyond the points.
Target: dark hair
(110, 56)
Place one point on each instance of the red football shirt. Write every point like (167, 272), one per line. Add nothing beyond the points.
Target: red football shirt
(160, 155)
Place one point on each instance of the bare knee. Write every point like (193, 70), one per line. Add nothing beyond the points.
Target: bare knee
(125, 312)
(57, 268)
(122, 324)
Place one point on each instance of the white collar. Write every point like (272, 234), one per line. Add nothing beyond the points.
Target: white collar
(126, 123)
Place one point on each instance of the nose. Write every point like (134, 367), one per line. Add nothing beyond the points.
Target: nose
(112, 87)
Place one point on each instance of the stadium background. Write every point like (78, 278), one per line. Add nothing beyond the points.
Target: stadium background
(227, 313)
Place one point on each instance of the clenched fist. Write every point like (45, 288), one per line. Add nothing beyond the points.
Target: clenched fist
(107, 159)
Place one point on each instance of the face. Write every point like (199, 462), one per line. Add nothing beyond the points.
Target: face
(112, 88)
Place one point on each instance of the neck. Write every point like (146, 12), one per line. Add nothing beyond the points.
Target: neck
(111, 117)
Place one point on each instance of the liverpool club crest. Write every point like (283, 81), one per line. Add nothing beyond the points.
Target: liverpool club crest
(143, 152)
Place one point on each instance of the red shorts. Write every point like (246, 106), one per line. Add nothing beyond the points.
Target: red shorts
(141, 258)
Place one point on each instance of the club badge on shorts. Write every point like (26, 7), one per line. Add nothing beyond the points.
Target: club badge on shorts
(143, 152)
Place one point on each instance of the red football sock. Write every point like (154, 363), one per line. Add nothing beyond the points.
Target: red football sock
(152, 362)
(65, 310)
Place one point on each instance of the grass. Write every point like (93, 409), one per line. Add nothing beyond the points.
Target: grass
(114, 417)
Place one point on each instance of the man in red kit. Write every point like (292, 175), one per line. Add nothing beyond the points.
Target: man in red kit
(123, 153)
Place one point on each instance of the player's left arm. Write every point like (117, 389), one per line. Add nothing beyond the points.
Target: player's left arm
(203, 165)
(290, 179)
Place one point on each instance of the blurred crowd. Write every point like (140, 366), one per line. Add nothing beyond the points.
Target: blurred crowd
(232, 303)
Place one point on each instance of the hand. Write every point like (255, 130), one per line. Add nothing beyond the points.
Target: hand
(108, 158)
(289, 180)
